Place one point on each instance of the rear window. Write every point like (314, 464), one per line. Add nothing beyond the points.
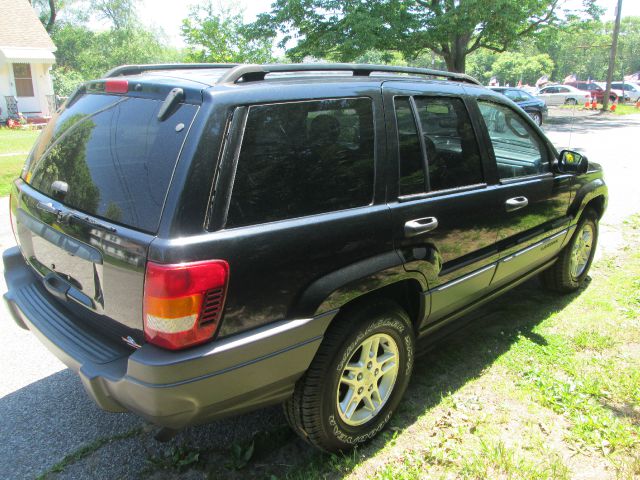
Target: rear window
(303, 158)
(115, 157)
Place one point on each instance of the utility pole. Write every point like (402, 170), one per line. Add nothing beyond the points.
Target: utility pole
(612, 57)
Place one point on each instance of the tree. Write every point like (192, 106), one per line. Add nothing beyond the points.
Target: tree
(218, 35)
(451, 29)
(514, 67)
(48, 11)
(120, 13)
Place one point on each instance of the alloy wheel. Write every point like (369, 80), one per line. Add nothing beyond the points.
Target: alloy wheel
(367, 379)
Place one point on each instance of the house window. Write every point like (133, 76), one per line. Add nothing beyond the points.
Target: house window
(22, 76)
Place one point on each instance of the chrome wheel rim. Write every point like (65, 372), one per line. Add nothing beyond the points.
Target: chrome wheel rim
(581, 251)
(367, 379)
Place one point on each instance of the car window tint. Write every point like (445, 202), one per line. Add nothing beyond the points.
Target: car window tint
(453, 157)
(562, 89)
(303, 158)
(518, 150)
(114, 155)
(412, 179)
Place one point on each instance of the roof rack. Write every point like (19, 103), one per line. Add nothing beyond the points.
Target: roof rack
(137, 69)
(252, 73)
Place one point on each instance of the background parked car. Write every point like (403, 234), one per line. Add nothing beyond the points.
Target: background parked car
(622, 96)
(563, 95)
(631, 90)
(596, 90)
(536, 108)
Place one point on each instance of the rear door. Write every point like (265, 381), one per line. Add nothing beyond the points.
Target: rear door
(444, 213)
(533, 200)
(91, 197)
(550, 96)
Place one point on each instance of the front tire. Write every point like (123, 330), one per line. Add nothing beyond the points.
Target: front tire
(537, 117)
(356, 379)
(571, 269)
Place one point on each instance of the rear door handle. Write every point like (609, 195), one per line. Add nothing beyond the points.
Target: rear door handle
(420, 225)
(516, 203)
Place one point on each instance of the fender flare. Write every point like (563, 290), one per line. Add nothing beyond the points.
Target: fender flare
(334, 290)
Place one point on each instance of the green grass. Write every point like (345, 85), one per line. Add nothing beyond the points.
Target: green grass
(626, 109)
(621, 109)
(87, 450)
(19, 143)
(10, 168)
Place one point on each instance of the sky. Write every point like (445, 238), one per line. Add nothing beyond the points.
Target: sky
(168, 14)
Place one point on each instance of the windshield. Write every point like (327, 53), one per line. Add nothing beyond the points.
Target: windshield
(110, 156)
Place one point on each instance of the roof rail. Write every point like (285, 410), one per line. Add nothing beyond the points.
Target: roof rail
(251, 73)
(137, 69)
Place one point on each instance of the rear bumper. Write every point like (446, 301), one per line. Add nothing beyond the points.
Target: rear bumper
(171, 389)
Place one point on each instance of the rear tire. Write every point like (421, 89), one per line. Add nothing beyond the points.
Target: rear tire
(571, 269)
(571, 101)
(356, 380)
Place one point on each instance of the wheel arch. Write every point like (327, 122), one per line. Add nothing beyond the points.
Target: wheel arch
(346, 289)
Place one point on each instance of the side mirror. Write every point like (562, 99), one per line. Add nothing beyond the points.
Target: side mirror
(572, 162)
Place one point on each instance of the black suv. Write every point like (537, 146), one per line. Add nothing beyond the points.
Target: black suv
(202, 240)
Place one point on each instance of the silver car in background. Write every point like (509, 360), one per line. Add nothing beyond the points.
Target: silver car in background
(623, 96)
(631, 90)
(563, 95)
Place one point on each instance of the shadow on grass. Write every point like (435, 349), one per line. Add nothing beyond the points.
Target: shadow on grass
(444, 369)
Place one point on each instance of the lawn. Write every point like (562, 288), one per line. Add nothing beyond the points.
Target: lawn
(14, 146)
(621, 109)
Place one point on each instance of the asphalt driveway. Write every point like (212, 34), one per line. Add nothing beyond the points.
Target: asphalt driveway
(45, 414)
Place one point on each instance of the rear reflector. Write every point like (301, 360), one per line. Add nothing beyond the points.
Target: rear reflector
(116, 86)
(183, 303)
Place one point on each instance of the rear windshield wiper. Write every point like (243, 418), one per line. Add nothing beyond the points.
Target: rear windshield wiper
(65, 217)
(91, 222)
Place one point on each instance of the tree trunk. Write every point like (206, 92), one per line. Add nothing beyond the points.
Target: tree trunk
(455, 61)
(612, 57)
(456, 53)
(52, 16)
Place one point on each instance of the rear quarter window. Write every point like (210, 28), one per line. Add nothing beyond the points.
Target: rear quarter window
(303, 158)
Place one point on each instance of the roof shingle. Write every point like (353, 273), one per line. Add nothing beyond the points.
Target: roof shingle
(20, 26)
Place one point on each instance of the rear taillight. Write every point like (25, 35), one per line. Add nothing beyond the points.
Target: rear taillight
(183, 303)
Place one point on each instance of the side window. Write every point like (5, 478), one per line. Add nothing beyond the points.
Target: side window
(411, 160)
(515, 95)
(562, 89)
(453, 157)
(303, 158)
(518, 150)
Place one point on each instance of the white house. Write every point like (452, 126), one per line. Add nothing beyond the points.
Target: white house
(26, 56)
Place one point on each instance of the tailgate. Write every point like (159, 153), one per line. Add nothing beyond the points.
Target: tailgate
(90, 200)
(90, 265)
